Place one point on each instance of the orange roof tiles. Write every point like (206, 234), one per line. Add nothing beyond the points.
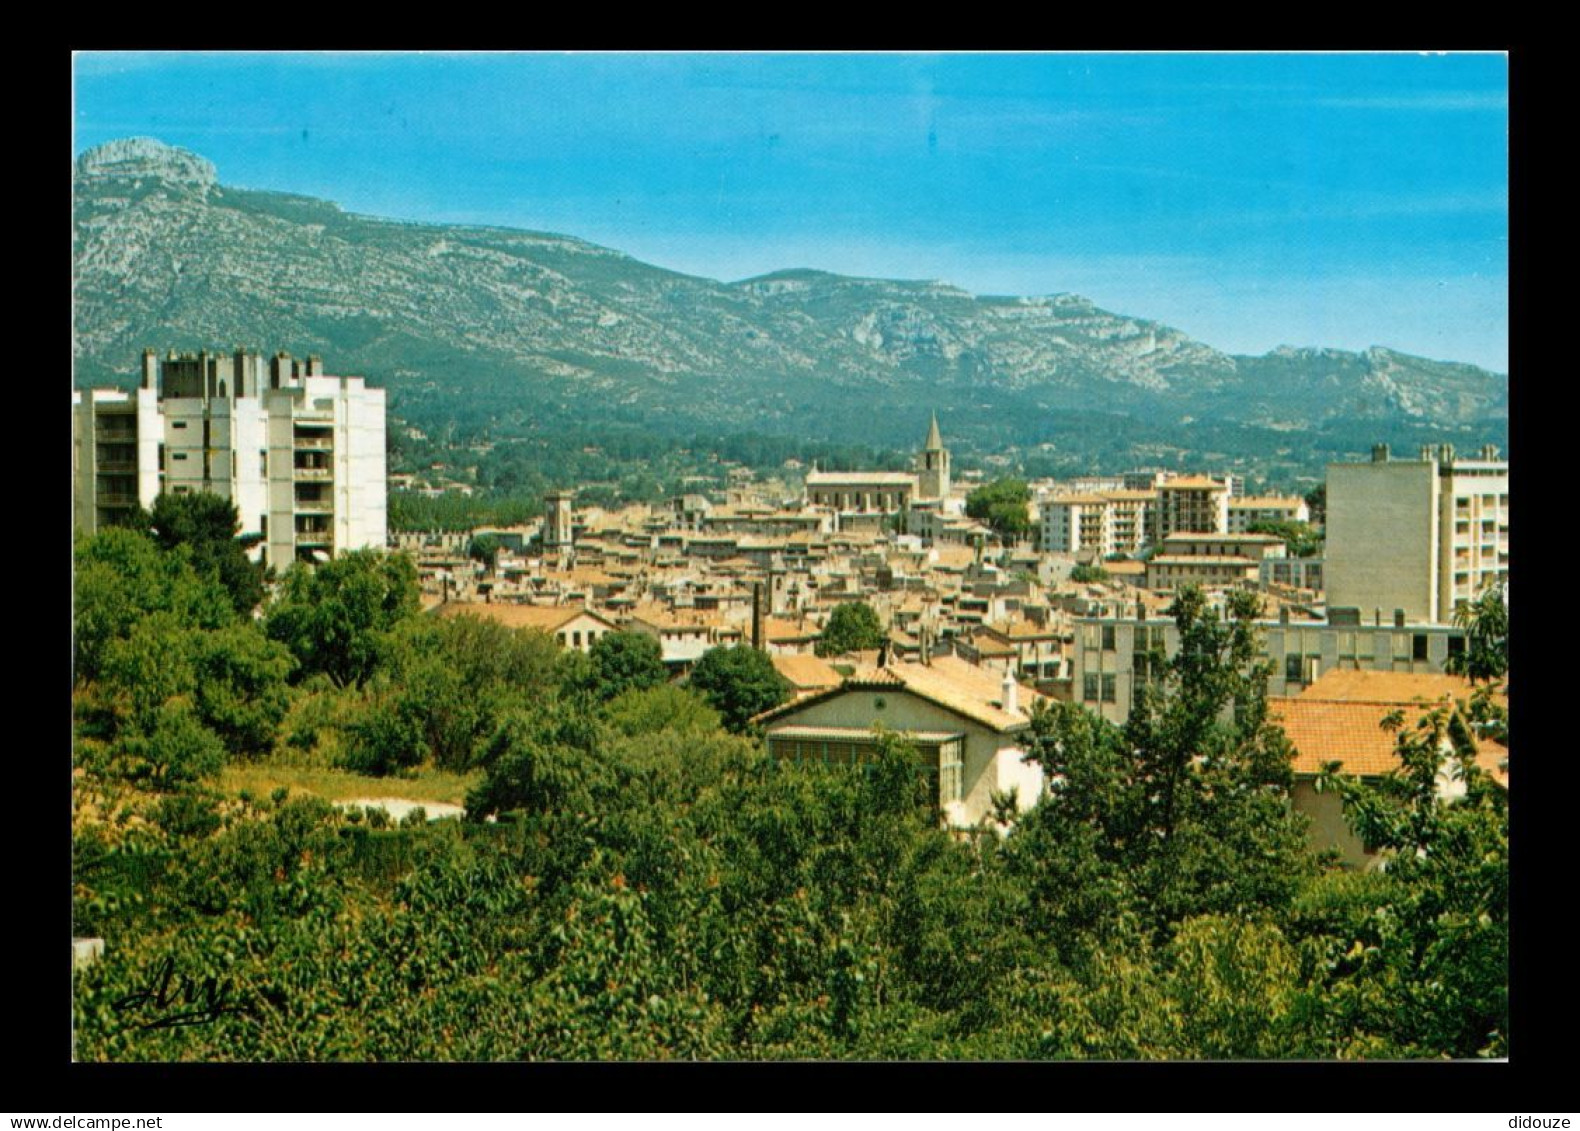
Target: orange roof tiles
(1351, 734)
(1343, 685)
(544, 618)
(807, 673)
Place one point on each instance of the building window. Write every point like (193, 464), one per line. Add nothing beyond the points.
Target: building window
(1089, 687)
(178, 424)
(1456, 646)
(1418, 646)
(1109, 682)
(1292, 673)
(1108, 638)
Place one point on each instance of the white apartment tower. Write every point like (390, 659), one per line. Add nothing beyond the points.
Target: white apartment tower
(301, 454)
(1417, 535)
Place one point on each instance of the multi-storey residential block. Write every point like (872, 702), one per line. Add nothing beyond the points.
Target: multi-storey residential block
(299, 453)
(1193, 504)
(1073, 524)
(1419, 536)
(1103, 522)
(1246, 511)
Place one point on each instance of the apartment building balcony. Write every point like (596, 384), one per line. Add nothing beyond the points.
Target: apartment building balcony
(315, 506)
(117, 465)
(313, 474)
(117, 499)
(314, 443)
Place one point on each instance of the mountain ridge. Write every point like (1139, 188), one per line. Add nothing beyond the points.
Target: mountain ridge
(166, 255)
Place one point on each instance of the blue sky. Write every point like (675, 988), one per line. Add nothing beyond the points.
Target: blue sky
(1341, 200)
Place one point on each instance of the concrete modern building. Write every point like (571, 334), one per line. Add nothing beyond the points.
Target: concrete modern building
(1193, 504)
(1417, 536)
(1120, 521)
(1112, 654)
(1246, 511)
(301, 454)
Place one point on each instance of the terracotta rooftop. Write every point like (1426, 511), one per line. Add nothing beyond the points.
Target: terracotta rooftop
(544, 618)
(1266, 502)
(884, 478)
(807, 673)
(963, 688)
(1351, 734)
(1340, 685)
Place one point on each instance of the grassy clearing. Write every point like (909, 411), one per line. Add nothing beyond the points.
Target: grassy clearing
(263, 778)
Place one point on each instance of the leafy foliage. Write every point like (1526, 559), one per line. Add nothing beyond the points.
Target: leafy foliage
(739, 683)
(852, 627)
(625, 661)
(633, 882)
(1486, 621)
(331, 616)
(1298, 537)
(1004, 505)
(208, 524)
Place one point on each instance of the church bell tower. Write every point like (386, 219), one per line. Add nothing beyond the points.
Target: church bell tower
(934, 479)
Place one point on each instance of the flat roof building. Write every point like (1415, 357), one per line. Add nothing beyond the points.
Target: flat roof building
(300, 454)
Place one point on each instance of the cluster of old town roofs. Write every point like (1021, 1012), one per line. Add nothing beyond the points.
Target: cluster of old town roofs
(975, 631)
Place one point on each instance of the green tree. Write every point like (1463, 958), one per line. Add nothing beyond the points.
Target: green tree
(1184, 810)
(485, 548)
(625, 661)
(332, 616)
(1004, 505)
(1089, 574)
(452, 678)
(241, 686)
(121, 576)
(1424, 969)
(852, 627)
(1299, 538)
(739, 683)
(207, 524)
(1317, 503)
(175, 751)
(1486, 624)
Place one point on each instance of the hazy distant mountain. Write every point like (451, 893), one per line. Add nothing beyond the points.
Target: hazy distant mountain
(529, 322)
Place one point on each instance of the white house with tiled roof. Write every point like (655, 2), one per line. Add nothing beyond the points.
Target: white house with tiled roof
(968, 725)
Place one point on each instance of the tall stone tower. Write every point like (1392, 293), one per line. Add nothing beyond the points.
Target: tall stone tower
(933, 482)
(558, 530)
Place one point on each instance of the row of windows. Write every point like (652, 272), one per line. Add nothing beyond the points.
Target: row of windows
(1095, 685)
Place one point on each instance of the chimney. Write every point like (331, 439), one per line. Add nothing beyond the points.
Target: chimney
(1377, 613)
(1398, 618)
(1380, 453)
(758, 641)
(150, 369)
(1010, 696)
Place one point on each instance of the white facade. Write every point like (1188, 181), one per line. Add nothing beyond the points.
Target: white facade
(300, 454)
